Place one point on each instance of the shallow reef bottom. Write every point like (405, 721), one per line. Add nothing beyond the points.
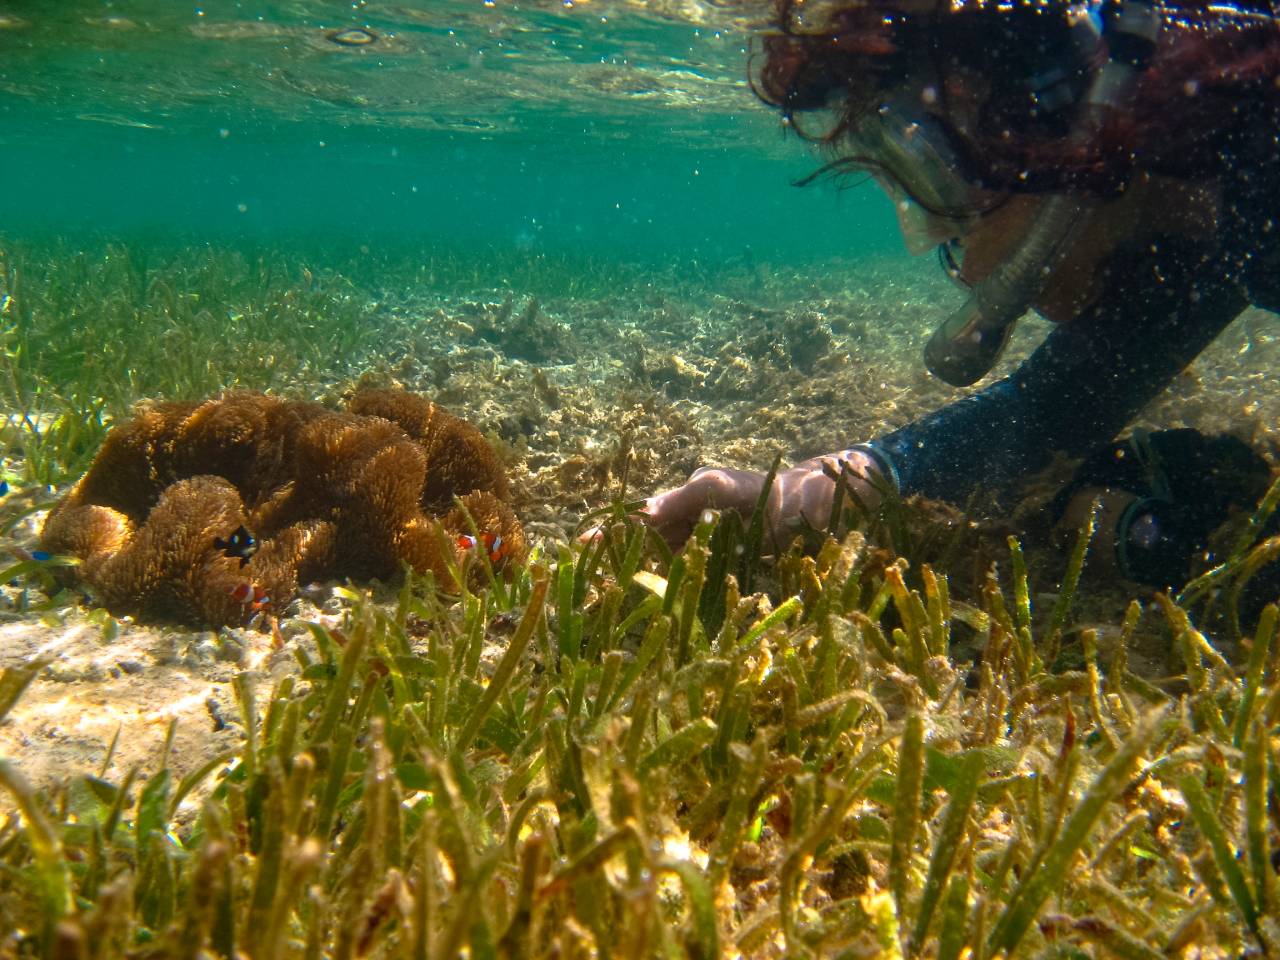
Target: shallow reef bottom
(612, 753)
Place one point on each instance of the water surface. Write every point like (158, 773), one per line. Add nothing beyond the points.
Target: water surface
(545, 126)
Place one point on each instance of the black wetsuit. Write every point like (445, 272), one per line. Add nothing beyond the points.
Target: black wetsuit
(1163, 302)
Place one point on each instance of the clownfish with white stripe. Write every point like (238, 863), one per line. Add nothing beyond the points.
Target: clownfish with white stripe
(250, 595)
(494, 546)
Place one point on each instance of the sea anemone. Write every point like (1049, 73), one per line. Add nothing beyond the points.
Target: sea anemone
(322, 494)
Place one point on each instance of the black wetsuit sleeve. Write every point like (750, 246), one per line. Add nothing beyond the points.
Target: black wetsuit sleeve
(1162, 305)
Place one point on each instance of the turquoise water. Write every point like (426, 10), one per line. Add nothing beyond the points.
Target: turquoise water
(438, 125)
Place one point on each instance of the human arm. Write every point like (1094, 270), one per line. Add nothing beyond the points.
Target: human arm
(1162, 304)
(800, 496)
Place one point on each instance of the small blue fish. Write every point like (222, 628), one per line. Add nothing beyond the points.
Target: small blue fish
(240, 545)
(40, 555)
(4, 488)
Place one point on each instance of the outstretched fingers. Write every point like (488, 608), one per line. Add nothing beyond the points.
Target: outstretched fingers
(801, 496)
(674, 513)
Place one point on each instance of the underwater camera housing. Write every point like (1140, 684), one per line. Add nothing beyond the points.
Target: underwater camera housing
(1155, 541)
(1160, 497)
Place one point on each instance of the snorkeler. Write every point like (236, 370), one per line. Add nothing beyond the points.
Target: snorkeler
(1113, 165)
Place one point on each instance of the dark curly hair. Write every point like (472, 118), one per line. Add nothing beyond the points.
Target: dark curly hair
(1214, 76)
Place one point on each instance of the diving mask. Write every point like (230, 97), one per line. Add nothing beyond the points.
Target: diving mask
(969, 342)
(912, 162)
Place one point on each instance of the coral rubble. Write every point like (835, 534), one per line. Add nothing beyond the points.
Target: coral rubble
(325, 494)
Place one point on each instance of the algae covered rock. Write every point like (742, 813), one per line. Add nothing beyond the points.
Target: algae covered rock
(217, 511)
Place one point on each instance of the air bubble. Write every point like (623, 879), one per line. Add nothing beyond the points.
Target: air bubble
(352, 37)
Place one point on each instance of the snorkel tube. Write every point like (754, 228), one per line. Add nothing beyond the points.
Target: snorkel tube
(968, 343)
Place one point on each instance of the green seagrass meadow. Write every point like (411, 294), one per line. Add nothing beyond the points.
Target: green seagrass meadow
(745, 748)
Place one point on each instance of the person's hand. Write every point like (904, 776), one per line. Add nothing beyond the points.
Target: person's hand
(801, 495)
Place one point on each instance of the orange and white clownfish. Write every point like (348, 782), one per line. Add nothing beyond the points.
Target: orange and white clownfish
(250, 595)
(494, 545)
